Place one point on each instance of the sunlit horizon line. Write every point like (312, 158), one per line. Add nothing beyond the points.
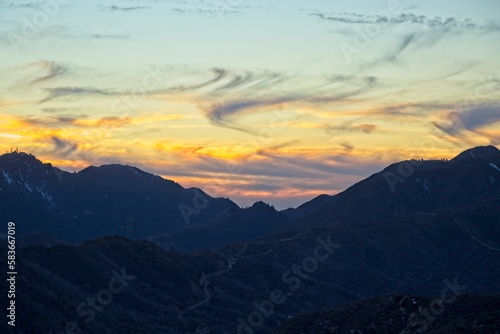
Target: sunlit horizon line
(213, 186)
(73, 163)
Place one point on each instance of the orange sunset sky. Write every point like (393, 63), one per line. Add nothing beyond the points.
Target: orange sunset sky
(253, 100)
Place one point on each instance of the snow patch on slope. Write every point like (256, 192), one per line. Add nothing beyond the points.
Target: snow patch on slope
(7, 177)
(494, 166)
(424, 183)
(46, 196)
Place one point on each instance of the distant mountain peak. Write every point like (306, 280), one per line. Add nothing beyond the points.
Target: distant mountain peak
(117, 169)
(113, 168)
(263, 205)
(489, 151)
(24, 165)
(19, 156)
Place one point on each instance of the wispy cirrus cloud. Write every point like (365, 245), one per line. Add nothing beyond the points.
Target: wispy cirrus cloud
(409, 18)
(212, 8)
(63, 147)
(124, 8)
(228, 94)
(218, 75)
(481, 116)
(407, 40)
(106, 122)
(456, 123)
(60, 92)
(350, 127)
(74, 121)
(52, 70)
(109, 36)
(406, 33)
(408, 110)
(348, 148)
(60, 110)
(218, 11)
(221, 82)
(78, 121)
(23, 5)
(224, 113)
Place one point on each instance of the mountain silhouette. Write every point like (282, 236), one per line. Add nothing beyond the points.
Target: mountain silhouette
(116, 200)
(368, 251)
(468, 184)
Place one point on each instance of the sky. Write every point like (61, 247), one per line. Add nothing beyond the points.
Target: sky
(277, 101)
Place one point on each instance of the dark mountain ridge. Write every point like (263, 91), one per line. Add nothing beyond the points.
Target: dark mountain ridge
(411, 188)
(106, 200)
(168, 294)
(124, 200)
(325, 259)
(404, 314)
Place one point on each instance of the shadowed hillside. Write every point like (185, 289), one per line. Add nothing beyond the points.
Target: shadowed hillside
(320, 261)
